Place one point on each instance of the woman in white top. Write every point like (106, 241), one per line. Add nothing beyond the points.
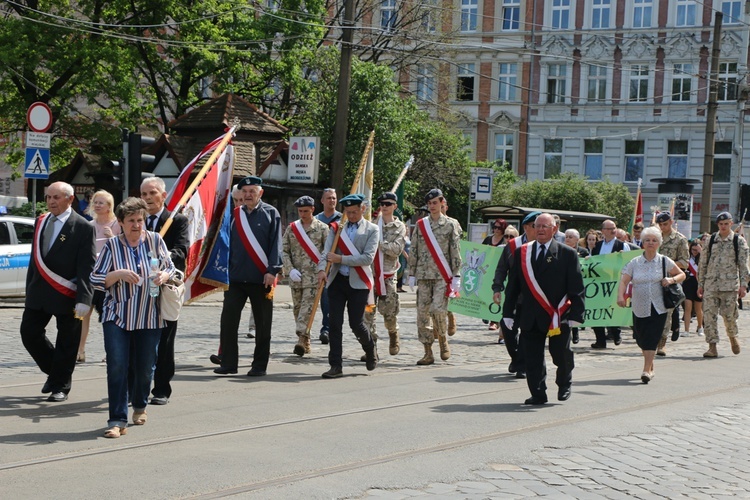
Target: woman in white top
(646, 273)
(101, 209)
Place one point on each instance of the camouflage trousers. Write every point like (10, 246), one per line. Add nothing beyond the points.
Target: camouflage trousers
(432, 304)
(302, 299)
(388, 306)
(714, 304)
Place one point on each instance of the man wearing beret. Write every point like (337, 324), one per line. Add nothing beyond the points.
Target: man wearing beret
(302, 249)
(434, 265)
(254, 263)
(722, 278)
(674, 246)
(350, 281)
(392, 242)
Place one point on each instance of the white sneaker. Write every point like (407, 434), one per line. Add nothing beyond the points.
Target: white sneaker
(700, 332)
(685, 334)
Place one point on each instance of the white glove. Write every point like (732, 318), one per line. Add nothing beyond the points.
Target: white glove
(456, 283)
(412, 282)
(508, 322)
(295, 276)
(81, 310)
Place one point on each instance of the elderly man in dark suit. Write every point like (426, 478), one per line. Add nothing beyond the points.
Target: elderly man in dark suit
(548, 275)
(57, 284)
(154, 193)
(610, 244)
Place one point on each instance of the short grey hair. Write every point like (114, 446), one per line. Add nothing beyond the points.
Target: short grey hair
(236, 193)
(158, 181)
(652, 231)
(64, 188)
(573, 232)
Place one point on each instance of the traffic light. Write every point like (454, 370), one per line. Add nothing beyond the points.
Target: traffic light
(132, 145)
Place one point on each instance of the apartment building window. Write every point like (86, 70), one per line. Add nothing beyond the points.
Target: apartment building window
(727, 81)
(560, 14)
(469, 13)
(677, 158)
(685, 13)
(504, 149)
(597, 83)
(642, 13)
(552, 157)
(682, 82)
(722, 161)
(600, 10)
(429, 15)
(425, 83)
(465, 82)
(388, 15)
(593, 158)
(731, 11)
(638, 83)
(635, 158)
(507, 82)
(556, 83)
(511, 14)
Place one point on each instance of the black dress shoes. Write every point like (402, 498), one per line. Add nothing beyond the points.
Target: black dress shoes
(563, 394)
(575, 336)
(323, 336)
(254, 372)
(597, 345)
(334, 372)
(512, 367)
(535, 400)
(46, 389)
(215, 359)
(159, 400)
(618, 340)
(371, 357)
(222, 370)
(520, 374)
(57, 397)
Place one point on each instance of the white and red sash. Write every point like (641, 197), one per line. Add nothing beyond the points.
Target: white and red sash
(347, 248)
(65, 287)
(692, 268)
(305, 242)
(515, 243)
(437, 256)
(536, 290)
(250, 242)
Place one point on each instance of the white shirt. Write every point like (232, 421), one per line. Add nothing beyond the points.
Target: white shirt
(646, 276)
(59, 222)
(607, 247)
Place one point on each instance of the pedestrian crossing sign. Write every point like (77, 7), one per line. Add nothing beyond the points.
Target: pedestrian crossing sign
(37, 163)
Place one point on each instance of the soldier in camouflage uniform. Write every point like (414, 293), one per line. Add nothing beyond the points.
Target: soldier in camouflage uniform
(300, 267)
(392, 241)
(432, 299)
(674, 246)
(722, 277)
(451, 316)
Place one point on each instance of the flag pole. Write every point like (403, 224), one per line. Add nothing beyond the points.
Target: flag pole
(355, 184)
(198, 178)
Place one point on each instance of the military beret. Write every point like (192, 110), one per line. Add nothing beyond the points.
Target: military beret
(530, 218)
(304, 201)
(351, 200)
(250, 180)
(664, 217)
(433, 193)
(723, 216)
(388, 196)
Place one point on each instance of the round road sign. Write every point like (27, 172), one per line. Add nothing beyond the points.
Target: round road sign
(39, 117)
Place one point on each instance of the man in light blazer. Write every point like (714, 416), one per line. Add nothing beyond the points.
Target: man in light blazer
(57, 284)
(350, 281)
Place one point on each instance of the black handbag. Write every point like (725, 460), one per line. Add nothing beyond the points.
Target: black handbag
(673, 294)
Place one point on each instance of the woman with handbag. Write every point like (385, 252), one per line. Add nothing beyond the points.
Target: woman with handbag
(651, 275)
(131, 317)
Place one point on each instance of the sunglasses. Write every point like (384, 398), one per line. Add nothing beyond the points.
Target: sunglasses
(507, 235)
(386, 204)
(497, 227)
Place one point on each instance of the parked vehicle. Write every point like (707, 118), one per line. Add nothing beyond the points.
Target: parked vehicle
(16, 234)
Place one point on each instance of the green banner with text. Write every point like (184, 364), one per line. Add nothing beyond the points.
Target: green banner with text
(601, 275)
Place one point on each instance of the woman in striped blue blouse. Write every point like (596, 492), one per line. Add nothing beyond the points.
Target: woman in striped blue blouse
(131, 318)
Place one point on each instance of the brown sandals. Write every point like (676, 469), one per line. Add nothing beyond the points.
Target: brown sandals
(115, 432)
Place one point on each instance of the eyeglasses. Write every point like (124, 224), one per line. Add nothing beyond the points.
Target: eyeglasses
(386, 204)
(497, 227)
(543, 226)
(508, 235)
(608, 228)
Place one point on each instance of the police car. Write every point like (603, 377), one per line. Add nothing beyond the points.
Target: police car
(16, 234)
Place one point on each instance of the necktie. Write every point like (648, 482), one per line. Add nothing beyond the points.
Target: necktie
(152, 222)
(351, 229)
(540, 255)
(49, 234)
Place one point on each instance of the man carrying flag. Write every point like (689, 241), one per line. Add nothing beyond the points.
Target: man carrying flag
(254, 263)
(302, 248)
(434, 264)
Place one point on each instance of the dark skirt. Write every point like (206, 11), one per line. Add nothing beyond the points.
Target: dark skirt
(690, 287)
(648, 330)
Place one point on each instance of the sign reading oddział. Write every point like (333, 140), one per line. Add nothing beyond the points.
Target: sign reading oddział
(304, 158)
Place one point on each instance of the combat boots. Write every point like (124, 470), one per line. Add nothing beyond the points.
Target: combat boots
(711, 353)
(451, 324)
(303, 345)
(306, 343)
(660, 348)
(428, 359)
(445, 350)
(735, 345)
(394, 346)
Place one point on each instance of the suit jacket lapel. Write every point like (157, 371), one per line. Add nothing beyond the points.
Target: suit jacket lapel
(162, 219)
(63, 235)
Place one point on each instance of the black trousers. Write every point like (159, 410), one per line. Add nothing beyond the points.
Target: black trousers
(57, 361)
(234, 300)
(513, 343)
(536, 368)
(164, 371)
(601, 334)
(341, 295)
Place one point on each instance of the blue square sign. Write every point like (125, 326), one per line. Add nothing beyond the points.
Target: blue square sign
(37, 163)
